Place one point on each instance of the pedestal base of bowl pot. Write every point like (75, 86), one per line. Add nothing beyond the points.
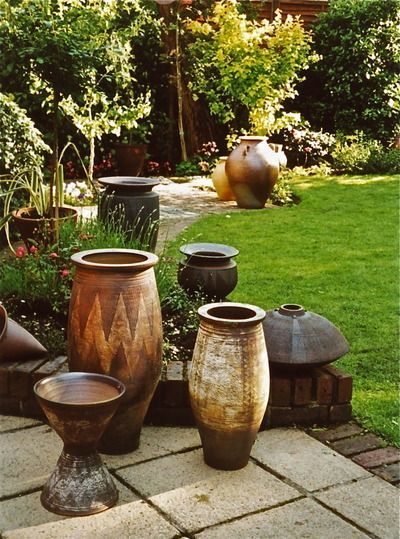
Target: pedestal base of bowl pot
(79, 407)
(128, 203)
(80, 485)
(226, 450)
(229, 382)
(208, 268)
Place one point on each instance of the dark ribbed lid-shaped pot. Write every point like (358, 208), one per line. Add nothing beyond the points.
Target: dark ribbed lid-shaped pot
(299, 338)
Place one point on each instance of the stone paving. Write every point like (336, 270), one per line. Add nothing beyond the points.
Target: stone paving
(293, 487)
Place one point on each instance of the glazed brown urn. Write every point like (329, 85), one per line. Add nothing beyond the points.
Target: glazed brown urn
(229, 382)
(114, 328)
(297, 338)
(78, 407)
(252, 169)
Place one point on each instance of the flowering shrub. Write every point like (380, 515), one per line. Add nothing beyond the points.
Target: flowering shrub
(201, 163)
(305, 147)
(154, 168)
(78, 194)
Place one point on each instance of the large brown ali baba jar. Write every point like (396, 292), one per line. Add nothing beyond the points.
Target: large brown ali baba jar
(114, 328)
(252, 169)
(229, 382)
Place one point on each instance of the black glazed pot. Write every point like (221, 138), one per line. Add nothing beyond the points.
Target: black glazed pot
(128, 202)
(208, 268)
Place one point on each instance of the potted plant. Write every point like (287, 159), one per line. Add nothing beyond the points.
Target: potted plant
(131, 149)
(39, 221)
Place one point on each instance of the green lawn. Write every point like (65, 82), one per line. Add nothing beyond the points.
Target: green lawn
(336, 253)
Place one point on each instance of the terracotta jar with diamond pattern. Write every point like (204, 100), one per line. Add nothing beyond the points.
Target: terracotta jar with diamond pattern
(114, 328)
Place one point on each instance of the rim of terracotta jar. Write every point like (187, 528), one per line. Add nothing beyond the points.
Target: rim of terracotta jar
(291, 309)
(227, 312)
(258, 138)
(208, 250)
(129, 182)
(115, 259)
(3, 321)
(68, 378)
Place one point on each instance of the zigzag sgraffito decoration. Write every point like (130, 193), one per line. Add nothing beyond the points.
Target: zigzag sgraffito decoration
(124, 352)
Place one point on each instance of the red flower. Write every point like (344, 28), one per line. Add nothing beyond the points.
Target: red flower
(33, 249)
(64, 272)
(53, 255)
(20, 252)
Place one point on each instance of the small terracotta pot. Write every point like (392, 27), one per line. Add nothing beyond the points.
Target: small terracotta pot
(17, 344)
(229, 382)
(130, 158)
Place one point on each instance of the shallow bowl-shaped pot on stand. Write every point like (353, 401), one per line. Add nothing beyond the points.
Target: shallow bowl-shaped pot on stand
(79, 406)
(208, 268)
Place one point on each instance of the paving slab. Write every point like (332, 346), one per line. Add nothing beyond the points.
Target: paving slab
(194, 495)
(156, 442)
(133, 520)
(27, 458)
(337, 433)
(301, 519)
(25, 511)
(302, 459)
(371, 503)
(10, 422)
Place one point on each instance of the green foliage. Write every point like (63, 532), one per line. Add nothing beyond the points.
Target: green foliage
(337, 254)
(21, 144)
(282, 193)
(359, 155)
(242, 67)
(356, 83)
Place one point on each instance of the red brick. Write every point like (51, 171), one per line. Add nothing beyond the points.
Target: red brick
(4, 370)
(181, 416)
(10, 405)
(49, 368)
(19, 379)
(31, 408)
(281, 391)
(175, 387)
(378, 457)
(340, 413)
(358, 444)
(389, 472)
(302, 391)
(337, 433)
(324, 387)
(299, 415)
(344, 385)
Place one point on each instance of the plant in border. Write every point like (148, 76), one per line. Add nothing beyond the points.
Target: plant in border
(246, 69)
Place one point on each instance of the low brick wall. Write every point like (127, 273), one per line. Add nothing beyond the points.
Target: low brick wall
(320, 396)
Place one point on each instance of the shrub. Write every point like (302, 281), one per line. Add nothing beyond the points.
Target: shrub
(305, 147)
(355, 84)
(359, 155)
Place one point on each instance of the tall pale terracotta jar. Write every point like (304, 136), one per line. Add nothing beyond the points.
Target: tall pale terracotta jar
(220, 181)
(252, 169)
(114, 328)
(229, 382)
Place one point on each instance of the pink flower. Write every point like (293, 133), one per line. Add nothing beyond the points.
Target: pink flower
(20, 252)
(33, 249)
(64, 272)
(53, 255)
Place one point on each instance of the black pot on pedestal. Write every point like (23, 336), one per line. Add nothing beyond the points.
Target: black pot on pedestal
(208, 268)
(128, 202)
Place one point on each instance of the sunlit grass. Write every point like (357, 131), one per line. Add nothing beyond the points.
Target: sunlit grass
(336, 253)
